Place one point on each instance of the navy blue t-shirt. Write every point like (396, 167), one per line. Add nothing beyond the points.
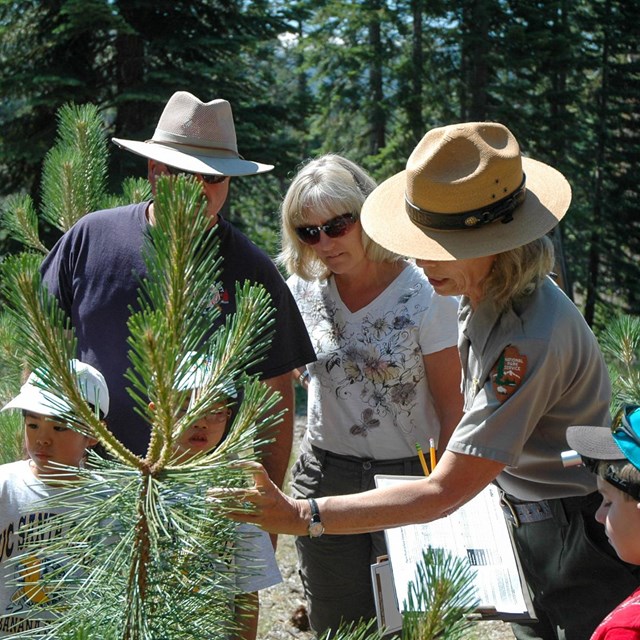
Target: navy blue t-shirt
(95, 269)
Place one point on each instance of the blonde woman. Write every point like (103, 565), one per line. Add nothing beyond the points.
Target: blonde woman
(387, 375)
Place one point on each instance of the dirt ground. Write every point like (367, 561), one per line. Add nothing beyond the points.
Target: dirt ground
(278, 604)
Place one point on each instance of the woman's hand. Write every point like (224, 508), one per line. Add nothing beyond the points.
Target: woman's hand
(263, 505)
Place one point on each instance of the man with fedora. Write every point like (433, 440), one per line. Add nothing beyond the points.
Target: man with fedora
(475, 213)
(95, 268)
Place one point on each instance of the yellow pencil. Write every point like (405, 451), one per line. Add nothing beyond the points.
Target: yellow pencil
(432, 453)
(423, 462)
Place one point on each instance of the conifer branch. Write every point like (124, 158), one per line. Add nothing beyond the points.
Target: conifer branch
(75, 169)
(21, 220)
(620, 343)
(143, 555)
(49, 343)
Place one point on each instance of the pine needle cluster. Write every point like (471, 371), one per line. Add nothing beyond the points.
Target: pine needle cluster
(620, 342)
(135, 551)
(441, 599)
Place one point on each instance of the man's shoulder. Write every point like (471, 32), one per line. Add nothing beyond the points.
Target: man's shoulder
(231, 235)
(108, 216)
(102, 227)
(245, 257)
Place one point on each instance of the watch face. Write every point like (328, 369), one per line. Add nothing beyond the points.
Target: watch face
(316, 529)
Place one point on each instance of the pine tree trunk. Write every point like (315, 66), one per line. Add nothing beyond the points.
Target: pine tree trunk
(414, 101)
(377, 135)
(597, 218)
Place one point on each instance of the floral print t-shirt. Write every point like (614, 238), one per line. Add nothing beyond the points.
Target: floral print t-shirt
(368, 393)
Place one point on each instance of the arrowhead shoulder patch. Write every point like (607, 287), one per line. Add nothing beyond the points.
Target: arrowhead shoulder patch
(508, 373)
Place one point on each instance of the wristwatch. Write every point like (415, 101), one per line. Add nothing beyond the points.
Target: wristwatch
(316, 528)
(304, 377)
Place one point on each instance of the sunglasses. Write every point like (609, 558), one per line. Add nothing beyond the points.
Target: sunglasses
(209, 179)
(610, 474)
(334, 228)
(621, 423)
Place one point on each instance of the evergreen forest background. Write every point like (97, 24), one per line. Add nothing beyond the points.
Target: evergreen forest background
(365, 78)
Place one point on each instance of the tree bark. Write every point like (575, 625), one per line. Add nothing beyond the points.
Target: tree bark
(377, 135)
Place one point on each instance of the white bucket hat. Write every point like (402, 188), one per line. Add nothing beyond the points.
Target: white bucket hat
(35, 399)
(196, 137)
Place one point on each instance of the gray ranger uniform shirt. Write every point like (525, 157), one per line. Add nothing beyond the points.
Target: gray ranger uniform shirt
(528, 374)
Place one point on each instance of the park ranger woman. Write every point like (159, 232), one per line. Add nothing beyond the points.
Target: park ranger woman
(474, 214)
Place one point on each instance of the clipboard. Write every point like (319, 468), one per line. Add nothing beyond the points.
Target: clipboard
(477, 532)
(384, 594)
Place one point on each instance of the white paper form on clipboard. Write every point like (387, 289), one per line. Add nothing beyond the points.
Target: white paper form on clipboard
(477, 532)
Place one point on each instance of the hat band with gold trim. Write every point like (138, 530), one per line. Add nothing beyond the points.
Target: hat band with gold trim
(501, 210)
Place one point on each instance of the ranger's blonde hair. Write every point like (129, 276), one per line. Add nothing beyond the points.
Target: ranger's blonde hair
(519, 272)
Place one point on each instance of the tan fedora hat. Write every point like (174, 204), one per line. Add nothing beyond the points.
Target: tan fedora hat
(197, 137)
(467, 192)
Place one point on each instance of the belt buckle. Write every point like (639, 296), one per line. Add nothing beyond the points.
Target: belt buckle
(509, 510)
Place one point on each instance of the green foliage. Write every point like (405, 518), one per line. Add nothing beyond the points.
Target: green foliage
(73, 181)
(75, 170)
(604, 244)
(12, 365)
(356, 631)
(440, 606)
(44, 338)
(441, 598)
(21, 220)
(620, 343)
(143, 554)
(133, 190)
(85, 632)
(46, 64)
(11, 436)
